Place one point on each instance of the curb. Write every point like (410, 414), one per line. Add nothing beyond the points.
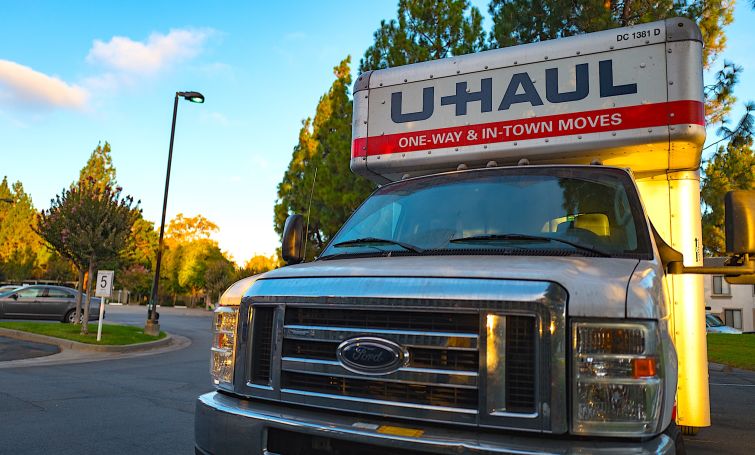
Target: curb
(76, 346)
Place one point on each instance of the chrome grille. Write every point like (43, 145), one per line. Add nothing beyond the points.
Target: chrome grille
(262, 345)
(439, 359)
(389, 391)
(520, 364)
(442, 326)
(441, 372)
(380, 319)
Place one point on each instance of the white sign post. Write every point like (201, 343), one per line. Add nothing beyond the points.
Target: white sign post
(103, 288)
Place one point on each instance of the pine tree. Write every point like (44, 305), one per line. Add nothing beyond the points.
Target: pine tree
(527, 21)
(732, 167)
(99, 168)
(319, 168)
(21, 250)
(425, 30)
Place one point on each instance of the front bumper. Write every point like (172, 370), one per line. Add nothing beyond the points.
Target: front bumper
(228, 425)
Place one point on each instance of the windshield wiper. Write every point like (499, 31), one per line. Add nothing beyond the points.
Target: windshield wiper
(373, 240)
(525, 237)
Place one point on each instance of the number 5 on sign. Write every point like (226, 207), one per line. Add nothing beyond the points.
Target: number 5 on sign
(104, 285)
(103, 288)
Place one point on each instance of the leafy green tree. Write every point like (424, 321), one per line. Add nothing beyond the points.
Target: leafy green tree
(89, 224)
(21, 249)
(54, 227)
(258, 264)
(173, 254)
(318, 182)
(19, 265)
(187, 229)
(58, 268)
(99, 168)
(219, 274)
(137, 279)
(197, 255)
(732, 167)
(142, 244)
(97, 177)
(425, 30)
(193, 263)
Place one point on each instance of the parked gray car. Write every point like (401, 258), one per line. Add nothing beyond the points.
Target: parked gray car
(44, 302)
(8, 288)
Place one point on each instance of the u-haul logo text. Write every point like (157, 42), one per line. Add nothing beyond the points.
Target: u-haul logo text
(520, 89)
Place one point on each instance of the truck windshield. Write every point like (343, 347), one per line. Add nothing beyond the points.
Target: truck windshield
(525, 210)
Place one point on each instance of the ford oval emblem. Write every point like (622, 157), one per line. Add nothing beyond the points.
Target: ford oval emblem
(369, 355)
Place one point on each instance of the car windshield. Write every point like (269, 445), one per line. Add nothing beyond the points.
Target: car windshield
(713, 321)
(525, 210)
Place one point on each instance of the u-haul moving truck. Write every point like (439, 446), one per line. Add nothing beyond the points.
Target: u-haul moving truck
(522, 281)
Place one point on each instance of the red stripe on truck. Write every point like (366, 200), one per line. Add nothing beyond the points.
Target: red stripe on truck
(597, 121)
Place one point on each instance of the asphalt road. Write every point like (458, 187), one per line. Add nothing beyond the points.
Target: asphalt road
(11, 349)
(146, 404)
(139, 405)
(732, 414)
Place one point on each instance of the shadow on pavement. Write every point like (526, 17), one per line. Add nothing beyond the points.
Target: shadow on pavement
(11, 349)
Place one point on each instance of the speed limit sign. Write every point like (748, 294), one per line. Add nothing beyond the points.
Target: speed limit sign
(104, 285)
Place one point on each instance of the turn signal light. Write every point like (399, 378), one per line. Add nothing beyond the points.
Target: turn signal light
(643, 368)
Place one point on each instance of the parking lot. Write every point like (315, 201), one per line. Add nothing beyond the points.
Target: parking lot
(146, 404)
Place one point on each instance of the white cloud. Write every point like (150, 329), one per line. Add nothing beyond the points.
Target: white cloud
(158, 51)
(21, 85)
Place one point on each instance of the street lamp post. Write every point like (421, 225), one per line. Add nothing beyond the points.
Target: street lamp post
(152, 327)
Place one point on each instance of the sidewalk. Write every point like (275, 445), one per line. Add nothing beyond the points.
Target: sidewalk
(67, 351)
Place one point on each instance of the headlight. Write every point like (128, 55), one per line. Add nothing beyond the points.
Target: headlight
(223, 350)
(616, 378)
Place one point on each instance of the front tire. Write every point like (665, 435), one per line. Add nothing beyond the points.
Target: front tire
(70, 317)
(675, 433)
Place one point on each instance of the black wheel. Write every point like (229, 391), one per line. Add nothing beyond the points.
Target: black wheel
(675, 433)
(70, 317)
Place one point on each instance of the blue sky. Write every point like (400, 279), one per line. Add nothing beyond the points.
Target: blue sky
(75, 74)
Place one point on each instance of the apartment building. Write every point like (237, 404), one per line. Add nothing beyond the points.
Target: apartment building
(733, 303)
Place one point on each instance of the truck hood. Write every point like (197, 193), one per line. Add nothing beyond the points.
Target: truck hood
(596, 287)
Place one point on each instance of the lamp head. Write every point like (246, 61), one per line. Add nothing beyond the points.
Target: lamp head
(194, 97)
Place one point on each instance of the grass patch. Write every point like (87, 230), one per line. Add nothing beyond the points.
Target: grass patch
(734, 350)
(111, 334)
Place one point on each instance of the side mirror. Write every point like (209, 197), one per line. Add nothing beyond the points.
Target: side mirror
(14, 296)
(292, 245)
(740, 221)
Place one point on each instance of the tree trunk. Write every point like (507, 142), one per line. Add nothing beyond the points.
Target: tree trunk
(625, 13)
(80, 288)
(90, 289)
